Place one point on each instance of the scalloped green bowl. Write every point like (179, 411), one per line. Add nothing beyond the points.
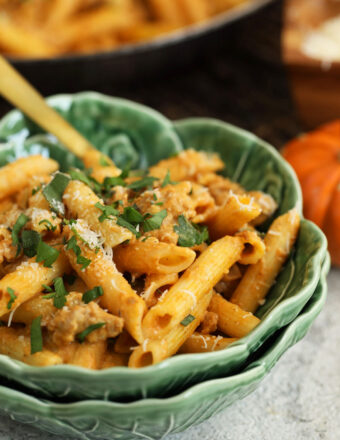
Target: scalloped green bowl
(154, 419)
(137, 136)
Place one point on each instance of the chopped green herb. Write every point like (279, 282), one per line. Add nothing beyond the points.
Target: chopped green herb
(154, 196)
(167, 180)
(124, 224)
(187, 320)
(70, 278)
(19, 224)
(131, 215)
(12, 296)
(108, 212)
(30, 241)
(36, 335)
(48, 288)
(93, 294)
(144, 239)
(155, 221)
(36, 189)
(159, 203)
(189, 234)
(125, 173)
(47, 254)
(104, 162)
(84, 177)
(59, 295)
(81, 336)
(145, 182)
(113, 181)
(72, 245)
(54, 191)
(49, 225)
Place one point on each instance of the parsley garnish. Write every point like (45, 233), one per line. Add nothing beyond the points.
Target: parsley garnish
(131, 215)
(167, 180)
(30, 241)
(113, 181)
(187, 320)
(47, 254)
(124, 224)
(54, 191)
(155, 221)
(81, 336)
(103, 161)
(108, 212)
(190, 234)
(88, 180)
(36, 335)
(72, 245)
(138, 185)
(13, 297)
(49, 226)
(36, 189)
(19, 224)
(59, 296)
(93, 294)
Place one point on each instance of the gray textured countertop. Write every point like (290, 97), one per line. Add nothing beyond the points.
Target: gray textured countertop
(300, 399)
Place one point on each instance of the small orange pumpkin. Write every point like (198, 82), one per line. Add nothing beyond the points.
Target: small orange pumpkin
(315, 158)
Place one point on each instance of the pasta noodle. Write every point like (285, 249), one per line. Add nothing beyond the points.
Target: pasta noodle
(102, 268)
(37, 28)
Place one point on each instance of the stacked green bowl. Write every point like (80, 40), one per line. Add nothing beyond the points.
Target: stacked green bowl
(122, 403)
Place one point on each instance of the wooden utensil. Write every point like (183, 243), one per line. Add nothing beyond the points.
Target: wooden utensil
(24, 96)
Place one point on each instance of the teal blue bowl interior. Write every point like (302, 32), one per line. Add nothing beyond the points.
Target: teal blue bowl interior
(136, 136)
(154, 419)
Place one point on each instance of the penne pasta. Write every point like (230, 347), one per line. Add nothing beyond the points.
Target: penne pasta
(18, 346)
(100, 164)
(234, 215)
(154, 351)
(156, 285)
(27, 280)
(232, 320)
(89, 355)
(259, 277)
(80, 200)
(124, 272)
(17, 175)
(200, 343)
(194, 284)
(118, 297)
(187, 165)
(153, 257)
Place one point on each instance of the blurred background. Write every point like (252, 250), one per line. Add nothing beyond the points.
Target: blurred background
(270, 67)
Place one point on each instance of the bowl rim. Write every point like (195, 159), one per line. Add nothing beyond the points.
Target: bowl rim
(20, 369)
(170, 39)
(254, 372)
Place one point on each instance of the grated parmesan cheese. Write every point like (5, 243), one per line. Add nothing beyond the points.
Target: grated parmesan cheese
(217, 340)
(93, 239)
(194, 299)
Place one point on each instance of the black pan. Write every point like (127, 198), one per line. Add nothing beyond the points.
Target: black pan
(132, 62)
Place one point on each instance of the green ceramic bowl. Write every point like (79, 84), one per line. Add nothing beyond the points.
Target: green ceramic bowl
(153, 419)
(138, 136)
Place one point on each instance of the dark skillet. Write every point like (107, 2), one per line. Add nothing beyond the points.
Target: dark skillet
(132, 62)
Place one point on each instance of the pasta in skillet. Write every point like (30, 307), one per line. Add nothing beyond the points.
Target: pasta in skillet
(40, 28)
(102, 267)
